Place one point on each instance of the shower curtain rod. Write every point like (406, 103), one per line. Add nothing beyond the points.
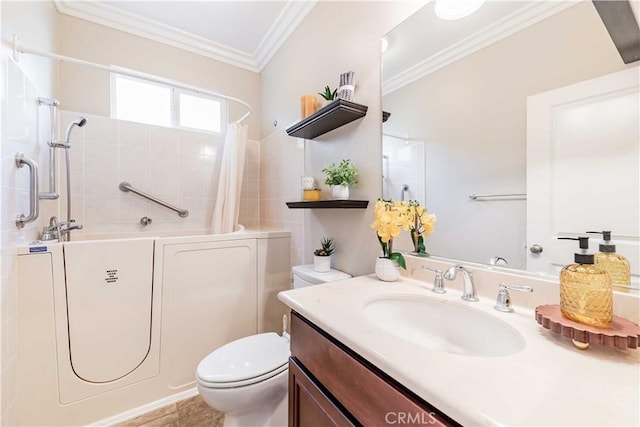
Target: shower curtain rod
(17, 50)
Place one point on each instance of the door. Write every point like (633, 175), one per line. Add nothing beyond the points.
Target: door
(583, 168)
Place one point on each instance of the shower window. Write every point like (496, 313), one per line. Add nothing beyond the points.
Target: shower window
(197, 112)
(141, 101)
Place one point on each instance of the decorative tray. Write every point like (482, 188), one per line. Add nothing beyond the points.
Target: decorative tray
(621, 334)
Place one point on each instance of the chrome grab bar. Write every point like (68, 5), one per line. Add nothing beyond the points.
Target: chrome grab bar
(513, 196)
(34, 190)
(125, 186)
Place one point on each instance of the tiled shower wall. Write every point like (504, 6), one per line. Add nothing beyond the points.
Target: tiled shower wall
(23, 126)
(281, 169)
(180, 167)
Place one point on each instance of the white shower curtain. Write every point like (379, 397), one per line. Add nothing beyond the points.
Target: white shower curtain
(225, 211)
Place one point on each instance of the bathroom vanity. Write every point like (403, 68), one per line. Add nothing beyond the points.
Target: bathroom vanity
(331, 385)
(362, 354)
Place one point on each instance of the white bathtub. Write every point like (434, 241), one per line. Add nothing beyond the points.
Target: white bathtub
(112, 323)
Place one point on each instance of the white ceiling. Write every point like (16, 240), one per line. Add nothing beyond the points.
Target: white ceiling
(242, 33)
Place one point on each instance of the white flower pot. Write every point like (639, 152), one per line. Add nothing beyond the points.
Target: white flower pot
(387, 270)
(340, 192)
(322, 264)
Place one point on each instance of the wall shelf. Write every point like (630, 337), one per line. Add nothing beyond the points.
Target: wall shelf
(328, 118)
(329, 204)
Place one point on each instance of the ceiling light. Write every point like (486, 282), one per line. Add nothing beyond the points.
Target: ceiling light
(456, 9)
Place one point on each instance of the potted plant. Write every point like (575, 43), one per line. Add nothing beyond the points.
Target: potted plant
(391, 218)
(328, 95)
(322, 256)
(340, 177)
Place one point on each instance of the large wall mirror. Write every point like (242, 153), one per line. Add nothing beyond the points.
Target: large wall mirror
(515, 125)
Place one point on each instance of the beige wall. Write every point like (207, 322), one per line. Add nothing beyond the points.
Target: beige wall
(334, 38)
(23, 127)
(87, 90)
(472, 115)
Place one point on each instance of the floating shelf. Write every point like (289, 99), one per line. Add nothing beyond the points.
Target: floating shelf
(328, 118)
(329, 204)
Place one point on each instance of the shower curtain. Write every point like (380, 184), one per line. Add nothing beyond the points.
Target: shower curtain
(225, 211)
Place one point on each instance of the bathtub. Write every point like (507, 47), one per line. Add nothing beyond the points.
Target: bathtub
(113, 325)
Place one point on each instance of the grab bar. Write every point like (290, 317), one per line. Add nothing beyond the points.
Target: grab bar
(34, 190)
(125, 186)
(516, 196)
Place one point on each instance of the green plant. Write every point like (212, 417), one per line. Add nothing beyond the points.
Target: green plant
(327, 247)
(343, 174)
(327, 94)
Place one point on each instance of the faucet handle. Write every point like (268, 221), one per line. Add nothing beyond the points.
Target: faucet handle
(503, 302)
(438, 282)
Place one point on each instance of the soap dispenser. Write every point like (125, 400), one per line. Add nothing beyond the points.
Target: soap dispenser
(616, 265)
(585, 289)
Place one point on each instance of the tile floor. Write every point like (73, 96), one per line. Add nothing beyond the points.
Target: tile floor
(192, 412)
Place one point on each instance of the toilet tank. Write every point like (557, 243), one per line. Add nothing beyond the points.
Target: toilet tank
(305, 275)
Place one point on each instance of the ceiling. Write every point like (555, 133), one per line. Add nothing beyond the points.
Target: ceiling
(242, 33)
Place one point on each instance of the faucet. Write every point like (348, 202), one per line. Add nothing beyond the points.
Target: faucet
(55, 230)
(438, 284)
(64, 232)
(469, 289)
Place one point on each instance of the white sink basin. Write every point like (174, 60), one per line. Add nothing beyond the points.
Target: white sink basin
(445, 326)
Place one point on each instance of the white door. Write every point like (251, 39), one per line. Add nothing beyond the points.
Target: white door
(583, 169)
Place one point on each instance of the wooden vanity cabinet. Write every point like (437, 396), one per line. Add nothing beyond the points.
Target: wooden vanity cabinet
(330, 385)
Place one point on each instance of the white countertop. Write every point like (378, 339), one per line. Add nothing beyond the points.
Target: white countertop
(550, 382)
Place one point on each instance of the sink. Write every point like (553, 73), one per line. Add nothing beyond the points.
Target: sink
(444, 325)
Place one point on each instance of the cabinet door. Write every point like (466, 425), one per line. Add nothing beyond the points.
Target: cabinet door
(308, 405)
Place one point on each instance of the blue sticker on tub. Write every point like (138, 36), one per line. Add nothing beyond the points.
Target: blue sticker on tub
(38, 249)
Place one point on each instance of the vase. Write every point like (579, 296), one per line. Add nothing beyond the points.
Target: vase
(340, 192)
(322, 264)
(387, 270)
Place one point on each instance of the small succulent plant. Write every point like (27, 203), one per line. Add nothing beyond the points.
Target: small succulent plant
(327, 247)
(327, 94)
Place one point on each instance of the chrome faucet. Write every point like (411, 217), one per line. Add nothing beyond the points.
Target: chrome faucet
(503, 302)
(438, 284)
(56, 230)
(469, 289)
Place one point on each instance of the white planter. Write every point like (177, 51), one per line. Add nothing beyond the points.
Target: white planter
(322, 264)
(340, 192)
(387, 270)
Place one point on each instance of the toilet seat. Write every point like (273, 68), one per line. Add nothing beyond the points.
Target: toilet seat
(246, 361)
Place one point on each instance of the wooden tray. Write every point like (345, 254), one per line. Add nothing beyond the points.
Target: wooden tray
(621, 334)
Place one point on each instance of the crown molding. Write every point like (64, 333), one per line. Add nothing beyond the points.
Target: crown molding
(285, 24)
(100, 13)
(489, 35)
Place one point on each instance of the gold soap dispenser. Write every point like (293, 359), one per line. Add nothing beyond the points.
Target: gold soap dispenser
(585, 289)
(615, 264)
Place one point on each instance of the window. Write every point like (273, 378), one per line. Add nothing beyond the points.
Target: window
(157, 104)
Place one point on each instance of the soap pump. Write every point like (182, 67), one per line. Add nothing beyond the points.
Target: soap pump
(616, 265)
(585, 289)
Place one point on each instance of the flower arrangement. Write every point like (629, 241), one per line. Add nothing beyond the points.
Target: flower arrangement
(344, 174)
(423, 225)
(393, 217)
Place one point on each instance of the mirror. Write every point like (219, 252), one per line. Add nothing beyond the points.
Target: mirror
(457, 94)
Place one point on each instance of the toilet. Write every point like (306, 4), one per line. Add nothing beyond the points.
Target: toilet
(247, 379)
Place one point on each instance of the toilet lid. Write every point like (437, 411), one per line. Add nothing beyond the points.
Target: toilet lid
(246, 358)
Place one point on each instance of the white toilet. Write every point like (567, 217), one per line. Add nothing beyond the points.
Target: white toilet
(247, 379)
